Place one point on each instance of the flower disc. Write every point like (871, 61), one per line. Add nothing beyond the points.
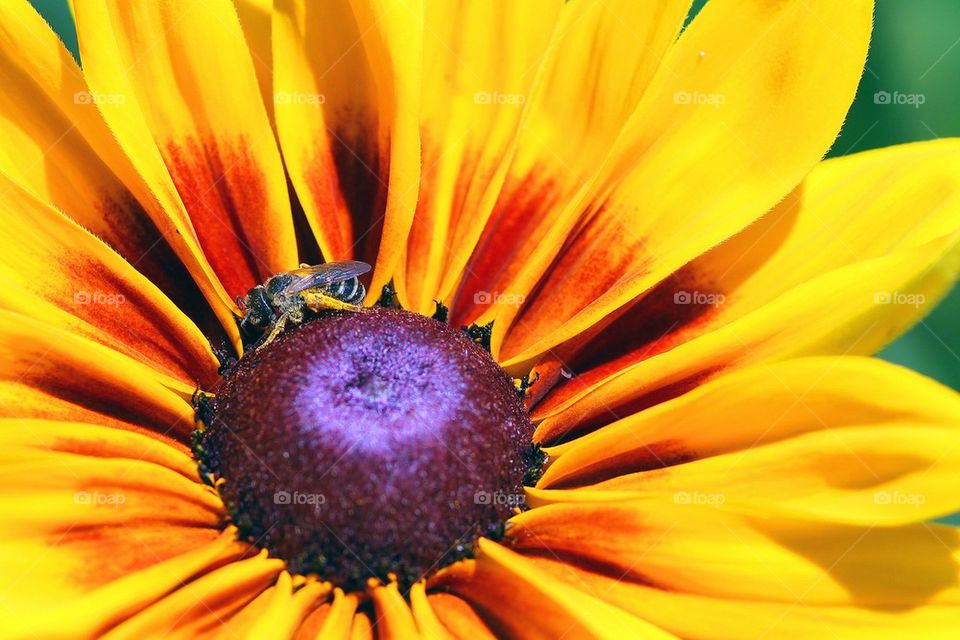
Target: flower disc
(364, 444)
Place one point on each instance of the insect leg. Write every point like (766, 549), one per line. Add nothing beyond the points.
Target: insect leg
(277, 328)
(318, 301)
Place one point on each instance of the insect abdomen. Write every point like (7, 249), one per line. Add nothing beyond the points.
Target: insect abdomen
(349, 291)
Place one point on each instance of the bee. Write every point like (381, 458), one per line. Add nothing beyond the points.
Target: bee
(291, 296)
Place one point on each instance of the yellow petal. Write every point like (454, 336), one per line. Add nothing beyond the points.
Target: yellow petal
(346, 93)
(47, 372)
(843, 439)
(426, 619)
(836, 268)
(710, 618)
(333, 620)
(203, 604)
(853, 579)
(57, 146)
(25, 438)
(540, 607)
(362, 627)
(480, 61)
(193, 124)
(277, 612)
(78, 491)
(835, 313)
(394, 618)
(741, 109)
(256, 18)
(459, 619)
(598, 66)
(56, 272)
(90, 541)
(310, 628)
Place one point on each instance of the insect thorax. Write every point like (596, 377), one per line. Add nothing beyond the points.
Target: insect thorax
(293, 307)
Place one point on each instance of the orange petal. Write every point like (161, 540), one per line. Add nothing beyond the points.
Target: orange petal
(742, 108)
(204, 604)
(346, 91)
(425, 618)
(57, 146)
(836, 268)
(46, 372)
(193, 124)
(310, 628)
(480, 61)
(459, 619)
(362, 627)
(539, 607)
(23, 438)
(844, 579)
(394, 618)
(57, 273)
(333, 620)
(97, 525)
(599, 64)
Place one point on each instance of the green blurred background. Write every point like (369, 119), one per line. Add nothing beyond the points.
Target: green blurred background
(915, 50)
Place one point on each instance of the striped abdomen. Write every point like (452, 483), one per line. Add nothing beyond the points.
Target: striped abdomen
(349, 291)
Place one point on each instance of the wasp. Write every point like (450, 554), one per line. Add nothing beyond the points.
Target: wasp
(290, 297)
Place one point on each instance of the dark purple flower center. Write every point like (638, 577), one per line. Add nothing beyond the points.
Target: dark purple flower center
(364, 444)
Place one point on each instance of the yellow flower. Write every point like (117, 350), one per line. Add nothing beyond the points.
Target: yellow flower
(640, 210)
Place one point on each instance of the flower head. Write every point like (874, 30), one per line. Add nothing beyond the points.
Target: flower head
(608, 377)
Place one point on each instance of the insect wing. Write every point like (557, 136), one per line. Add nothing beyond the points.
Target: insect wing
(325, 274)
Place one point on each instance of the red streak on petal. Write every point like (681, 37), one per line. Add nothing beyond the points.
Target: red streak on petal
(654, 324)
(601, 253)
(147, 250)
(348, 186)
(128, 315)
(576, 559)
(646, 457)
(225, 194)
(578, 422)
(107, 553)
(514, 228)
(326, 193)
